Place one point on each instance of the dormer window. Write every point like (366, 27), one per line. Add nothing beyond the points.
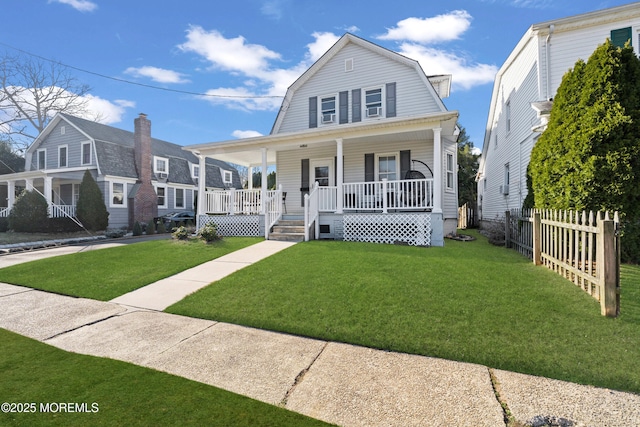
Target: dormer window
(195, 171)
(160, 165)
(328, 109)
(227, 177)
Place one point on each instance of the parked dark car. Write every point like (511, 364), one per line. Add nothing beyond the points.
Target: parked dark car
(178, 217)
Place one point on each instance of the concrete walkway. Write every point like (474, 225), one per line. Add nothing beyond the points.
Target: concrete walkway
(339, 383)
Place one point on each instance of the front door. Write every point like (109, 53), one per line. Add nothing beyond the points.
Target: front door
(322, 172)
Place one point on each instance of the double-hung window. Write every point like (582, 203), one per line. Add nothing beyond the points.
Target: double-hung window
(373, 102)
(86, 153)
(62, 156)
(160, 165)
(227, 177)
(179, 198)
(42, 158)
(387, 167)
(450, 177)
(161, 192)
(328, 109)
(117, 194)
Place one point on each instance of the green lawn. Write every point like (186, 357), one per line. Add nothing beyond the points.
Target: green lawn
(468, 301)
(125, 394)
(107, 273)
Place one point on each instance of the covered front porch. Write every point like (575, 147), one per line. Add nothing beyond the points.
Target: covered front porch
(60, 193)
(334, 178)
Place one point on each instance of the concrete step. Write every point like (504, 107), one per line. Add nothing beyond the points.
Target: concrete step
(288, 231)
(286, 237)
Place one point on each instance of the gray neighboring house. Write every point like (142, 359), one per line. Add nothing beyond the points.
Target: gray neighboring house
(140, 177)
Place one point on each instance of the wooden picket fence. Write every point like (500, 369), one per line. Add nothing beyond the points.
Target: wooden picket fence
(581, 246)
(466, 216)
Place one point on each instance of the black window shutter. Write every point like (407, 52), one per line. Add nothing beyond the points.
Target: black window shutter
(304, 182)
(405, 163)
(313, 112)
(369, 167)
(344, 106)
(356, 106)
(620, 36)
(391, 99)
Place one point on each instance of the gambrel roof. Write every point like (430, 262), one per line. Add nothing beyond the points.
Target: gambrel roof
(115, 153)
(443, 82)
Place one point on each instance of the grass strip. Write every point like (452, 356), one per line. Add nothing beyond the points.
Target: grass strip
(107, 273)
(468, 301)
(116, 393)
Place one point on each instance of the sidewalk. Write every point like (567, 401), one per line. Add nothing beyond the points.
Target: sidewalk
(334, 382)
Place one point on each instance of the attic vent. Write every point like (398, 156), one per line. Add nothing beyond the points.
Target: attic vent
(62, 130)
(348, 65)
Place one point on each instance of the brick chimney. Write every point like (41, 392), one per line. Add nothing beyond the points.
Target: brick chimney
(145, 200)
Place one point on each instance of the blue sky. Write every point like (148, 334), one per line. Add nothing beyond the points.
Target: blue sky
(241, 55)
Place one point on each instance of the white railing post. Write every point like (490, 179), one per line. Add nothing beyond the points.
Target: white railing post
(384, 195)
(232, 201)
(306, 217)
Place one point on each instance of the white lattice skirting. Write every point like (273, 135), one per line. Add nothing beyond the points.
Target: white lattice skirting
(411, 228)
(233, 225)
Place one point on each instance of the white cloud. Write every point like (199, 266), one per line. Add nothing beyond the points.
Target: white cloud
(440, 28)
(322, 43)
(435, 61)
(233, 54)
(107, 112)
(156, 74)
(273, 8)
(80, 5)
(245, 133)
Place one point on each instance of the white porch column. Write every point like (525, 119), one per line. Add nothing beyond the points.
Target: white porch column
(202, 176)
(339, 176)
(250, 178)
(11, 194)
(263, 192)
(437, 171)
(28, 184)
(48, 186)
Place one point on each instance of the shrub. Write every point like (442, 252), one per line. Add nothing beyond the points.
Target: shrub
(181, 233)
(172, 226)
(29, 213)
(161, 228)
(151, 227)
(209, 233)
(4, 224)
(115, 233)
(90, 209)
(62, 225)
(137, 229)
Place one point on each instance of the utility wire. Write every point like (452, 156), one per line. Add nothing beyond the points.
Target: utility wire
(186, 92)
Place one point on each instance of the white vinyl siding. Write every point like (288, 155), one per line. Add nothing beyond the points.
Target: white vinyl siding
(372, 70)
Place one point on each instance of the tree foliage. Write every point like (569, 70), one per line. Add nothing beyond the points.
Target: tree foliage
(90, 208)
(32, 91)
(589, 156)
(271, 180)
(10, 162)
(467, 169)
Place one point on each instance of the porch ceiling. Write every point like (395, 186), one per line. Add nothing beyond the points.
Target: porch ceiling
(248, 152)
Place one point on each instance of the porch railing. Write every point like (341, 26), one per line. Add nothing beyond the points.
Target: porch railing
(4, 212)
(273, 209)
(233, 202)
(311, 211)
(62, 211)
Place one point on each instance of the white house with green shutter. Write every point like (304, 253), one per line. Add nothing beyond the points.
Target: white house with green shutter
(364, 150)
(523, 94)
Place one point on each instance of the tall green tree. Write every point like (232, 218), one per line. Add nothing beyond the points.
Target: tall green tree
(589, 156)
(91, 209)
(10, 162)
(467, 169)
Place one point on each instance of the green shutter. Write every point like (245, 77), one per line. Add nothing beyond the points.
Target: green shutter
(621, 36)
(343, 98)
(356, 112)
(313, 112)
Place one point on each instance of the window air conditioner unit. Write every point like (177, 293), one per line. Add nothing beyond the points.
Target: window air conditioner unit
(163, 176)
(504, 189)
(328, 118)
(374, 111)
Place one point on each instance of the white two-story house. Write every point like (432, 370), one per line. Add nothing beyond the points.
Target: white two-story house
(140, 177)
(364, 150)
(523, 96)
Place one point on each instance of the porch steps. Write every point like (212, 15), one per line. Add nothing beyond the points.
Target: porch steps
(288, 230)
